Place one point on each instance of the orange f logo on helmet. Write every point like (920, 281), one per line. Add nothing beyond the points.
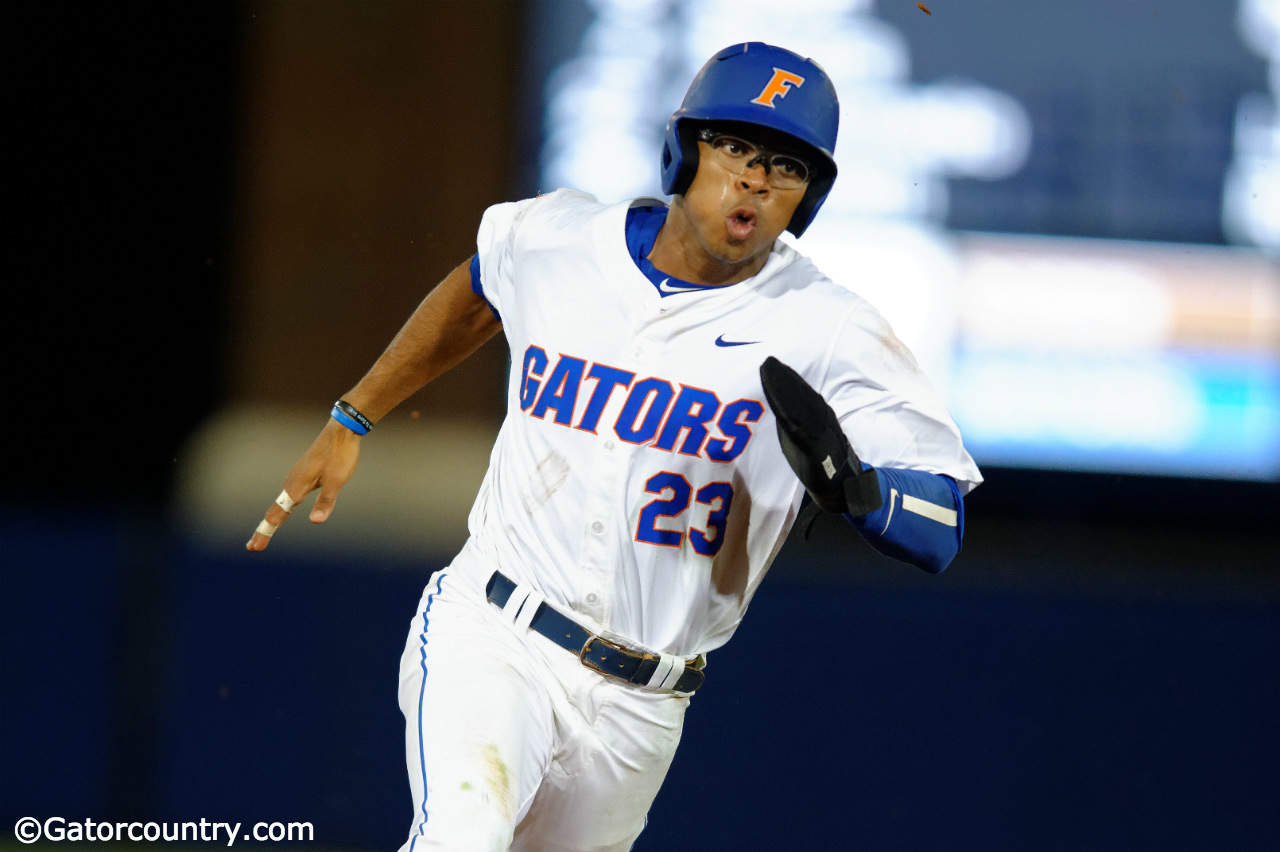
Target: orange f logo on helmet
(777, 87)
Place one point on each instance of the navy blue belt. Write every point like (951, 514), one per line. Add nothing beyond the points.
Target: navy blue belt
(608, 658)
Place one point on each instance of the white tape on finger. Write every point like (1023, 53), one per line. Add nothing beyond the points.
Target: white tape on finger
(267, 528)
(284, 501)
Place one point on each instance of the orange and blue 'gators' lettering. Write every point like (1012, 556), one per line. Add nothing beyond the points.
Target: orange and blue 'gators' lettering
(535, 362)
(662, 392)
(680, 422)
(733, 425)
(607, 379)
(560, 392)
(692, 410)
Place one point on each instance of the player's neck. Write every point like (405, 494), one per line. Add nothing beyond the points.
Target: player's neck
(678, 252)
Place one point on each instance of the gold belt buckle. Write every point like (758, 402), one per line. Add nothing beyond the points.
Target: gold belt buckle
(585, 658)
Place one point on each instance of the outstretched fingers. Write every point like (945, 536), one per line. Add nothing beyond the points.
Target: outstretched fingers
(275, 516)
(324, 503)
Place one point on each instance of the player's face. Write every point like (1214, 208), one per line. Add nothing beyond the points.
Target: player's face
(742, 196)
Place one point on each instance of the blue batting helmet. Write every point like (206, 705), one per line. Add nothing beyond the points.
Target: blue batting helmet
(757, 83)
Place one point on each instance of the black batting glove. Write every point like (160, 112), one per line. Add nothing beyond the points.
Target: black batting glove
(814, 444)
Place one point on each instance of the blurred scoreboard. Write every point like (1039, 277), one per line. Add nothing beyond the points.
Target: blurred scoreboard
(1111, 355)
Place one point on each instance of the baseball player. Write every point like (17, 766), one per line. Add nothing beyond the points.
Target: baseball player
(682, 383)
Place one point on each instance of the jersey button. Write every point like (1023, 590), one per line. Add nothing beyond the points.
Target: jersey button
(597, 527)
(609, 445)
(592, 597)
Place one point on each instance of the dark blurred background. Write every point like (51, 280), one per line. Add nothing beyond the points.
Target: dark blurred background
(222, 211)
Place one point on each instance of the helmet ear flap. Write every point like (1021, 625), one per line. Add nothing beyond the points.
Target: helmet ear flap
(679, 158)
(814, 196)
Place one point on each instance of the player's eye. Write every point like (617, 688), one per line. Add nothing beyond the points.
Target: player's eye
(790, 167)
(733, 146)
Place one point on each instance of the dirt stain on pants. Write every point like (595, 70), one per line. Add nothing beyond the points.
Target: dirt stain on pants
(498, 780)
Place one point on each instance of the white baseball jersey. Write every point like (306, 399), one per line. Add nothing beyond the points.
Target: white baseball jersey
(637, 482)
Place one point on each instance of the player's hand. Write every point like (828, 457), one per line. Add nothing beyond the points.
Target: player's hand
(327, 465)
(814, 444)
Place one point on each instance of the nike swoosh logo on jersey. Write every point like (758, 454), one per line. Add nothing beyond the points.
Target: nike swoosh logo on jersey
(720, 341)
(666, 290)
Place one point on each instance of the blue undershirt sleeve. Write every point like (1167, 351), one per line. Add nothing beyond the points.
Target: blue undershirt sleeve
(920, 520)
(477, 288)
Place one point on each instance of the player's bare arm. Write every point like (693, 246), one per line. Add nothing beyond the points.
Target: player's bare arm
(447, 326)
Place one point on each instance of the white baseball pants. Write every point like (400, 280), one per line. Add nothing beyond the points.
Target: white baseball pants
(512, 743)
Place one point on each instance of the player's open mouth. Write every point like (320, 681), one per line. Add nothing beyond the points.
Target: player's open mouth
(741, 222)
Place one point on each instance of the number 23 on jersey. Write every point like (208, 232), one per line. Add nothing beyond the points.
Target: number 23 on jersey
(673, 496)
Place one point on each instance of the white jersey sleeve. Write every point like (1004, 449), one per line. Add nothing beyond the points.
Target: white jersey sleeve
(891, 413)
(494, 248)
(500, 236)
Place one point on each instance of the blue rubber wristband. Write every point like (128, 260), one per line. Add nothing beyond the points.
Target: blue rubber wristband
(354, 413)
(350, 422)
